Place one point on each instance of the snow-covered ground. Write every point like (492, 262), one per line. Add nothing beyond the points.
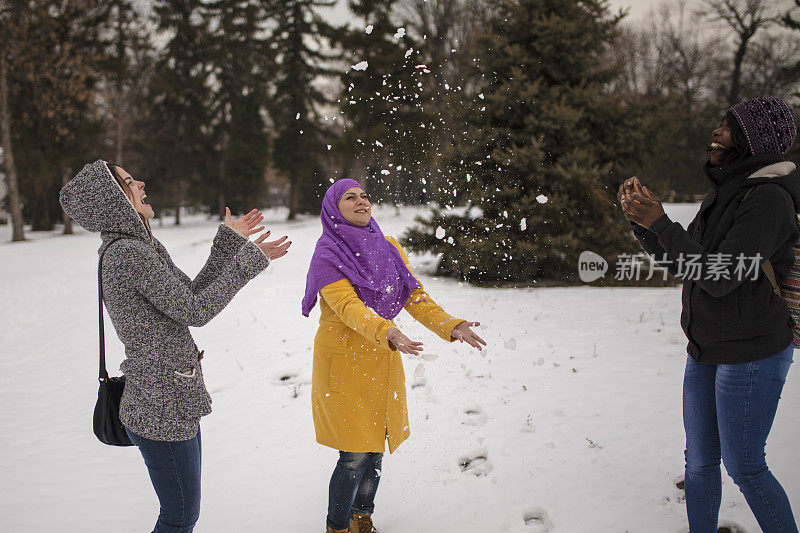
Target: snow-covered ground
(571, 418)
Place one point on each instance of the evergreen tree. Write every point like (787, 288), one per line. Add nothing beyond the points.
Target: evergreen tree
(539, 145)
(302, 41)
(443, 30)
(246, 154)
(11, 27)
(129, 60)
(176, 121)
(388, 132)
(243, 64)
(52, 84)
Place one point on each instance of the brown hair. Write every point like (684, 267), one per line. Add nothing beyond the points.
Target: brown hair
(115, 168)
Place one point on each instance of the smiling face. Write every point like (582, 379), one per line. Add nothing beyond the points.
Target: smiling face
(721, 140)
(355, 206)
(134, 190)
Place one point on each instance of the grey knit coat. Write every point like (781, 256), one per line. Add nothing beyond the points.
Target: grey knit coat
(152, 304)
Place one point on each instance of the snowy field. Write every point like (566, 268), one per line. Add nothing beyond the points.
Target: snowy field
(569, 422)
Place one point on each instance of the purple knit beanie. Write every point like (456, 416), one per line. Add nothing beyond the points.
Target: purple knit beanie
(768, 124)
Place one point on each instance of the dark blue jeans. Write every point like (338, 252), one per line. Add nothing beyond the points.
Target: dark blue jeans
(728, 412)
(353, 486)
(174, 469)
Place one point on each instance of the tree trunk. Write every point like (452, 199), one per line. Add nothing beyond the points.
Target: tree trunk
(41, 218)
(67, 220)
(119, 140)
(222, 160)
(14, 204)
(178, 203)
(120, 87)
(294, 197)
(738, 59)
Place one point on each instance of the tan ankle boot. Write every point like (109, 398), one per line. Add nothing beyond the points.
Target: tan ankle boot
(329, 530)
(361, 523)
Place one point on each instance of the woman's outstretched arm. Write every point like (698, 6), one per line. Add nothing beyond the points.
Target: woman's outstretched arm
(342, 298)
(230, 238)
(431, 315)
(139, 263)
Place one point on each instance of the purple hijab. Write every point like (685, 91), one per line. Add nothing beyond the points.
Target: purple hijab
(360, 254)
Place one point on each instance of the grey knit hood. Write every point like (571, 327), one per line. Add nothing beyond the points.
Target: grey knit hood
(784, 174)
(95, 200)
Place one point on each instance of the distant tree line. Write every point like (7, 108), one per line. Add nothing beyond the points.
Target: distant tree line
(224, 102)
(690, 63)
(527, 114)
(566, 100)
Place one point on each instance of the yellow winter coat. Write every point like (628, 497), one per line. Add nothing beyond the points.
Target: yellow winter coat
(358, 391)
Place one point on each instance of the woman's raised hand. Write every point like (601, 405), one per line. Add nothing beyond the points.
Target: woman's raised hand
(640, 205)
(273, 249)
(463, 333)
(403, 343)
(246, 225)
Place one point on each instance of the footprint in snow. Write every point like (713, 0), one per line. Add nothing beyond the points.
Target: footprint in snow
(473, 416)
(726, 526)
(419, 382)
(679, 495)
(286, 377)
(537, 521)
(476, 463)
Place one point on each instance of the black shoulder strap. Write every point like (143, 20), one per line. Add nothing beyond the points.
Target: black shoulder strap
(103, 373)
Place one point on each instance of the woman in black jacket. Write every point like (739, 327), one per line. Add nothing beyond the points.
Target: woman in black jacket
(739, 329)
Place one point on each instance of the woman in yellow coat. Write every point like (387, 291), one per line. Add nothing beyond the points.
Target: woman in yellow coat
(358, 386)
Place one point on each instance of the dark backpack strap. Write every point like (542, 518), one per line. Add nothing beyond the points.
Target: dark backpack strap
(766, 266)
(103, 373)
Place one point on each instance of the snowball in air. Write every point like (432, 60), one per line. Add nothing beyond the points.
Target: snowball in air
(360, 66)
(542, 199)
(440, 232)
(368, 29)
(400, 33)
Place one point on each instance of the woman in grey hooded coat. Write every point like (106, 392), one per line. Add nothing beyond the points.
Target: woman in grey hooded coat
(152, 303)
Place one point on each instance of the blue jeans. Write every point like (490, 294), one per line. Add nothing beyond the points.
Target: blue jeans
(728, 412)
(174, 469)
(353, 486)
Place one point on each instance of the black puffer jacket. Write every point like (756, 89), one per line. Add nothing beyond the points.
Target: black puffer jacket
(730, 319)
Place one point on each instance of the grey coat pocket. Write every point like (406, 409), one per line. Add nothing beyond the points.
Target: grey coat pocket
(191, 398)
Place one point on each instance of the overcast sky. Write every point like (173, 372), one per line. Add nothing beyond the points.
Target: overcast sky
(639, 9)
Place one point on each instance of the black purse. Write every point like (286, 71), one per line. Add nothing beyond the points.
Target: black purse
(107, 425)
